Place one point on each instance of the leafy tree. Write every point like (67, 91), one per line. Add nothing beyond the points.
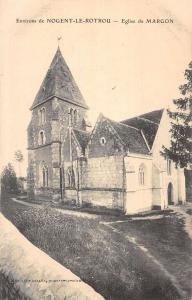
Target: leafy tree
(19, 158)
(180, 150)
(8, 179)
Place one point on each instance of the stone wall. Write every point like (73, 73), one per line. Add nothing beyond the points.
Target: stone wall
(29, 273)
(55, 129)
(35, 126)
(102, 181)
(109, 199)
(98, 181)
(62, 108)
(39, 153)
(103, 172)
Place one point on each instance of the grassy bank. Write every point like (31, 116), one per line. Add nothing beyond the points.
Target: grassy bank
(113, 266)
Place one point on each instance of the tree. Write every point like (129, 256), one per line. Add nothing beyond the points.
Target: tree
(180, 150)
(8, 179)
(19, 158)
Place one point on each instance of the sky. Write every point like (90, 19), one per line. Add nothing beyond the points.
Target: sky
(122, 70)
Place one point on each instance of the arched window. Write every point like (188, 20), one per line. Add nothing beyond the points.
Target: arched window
(73, 116)
(42, 115)
(44, 181)
(41, 137)
(71, 177)
(44, 175)
(142, 175)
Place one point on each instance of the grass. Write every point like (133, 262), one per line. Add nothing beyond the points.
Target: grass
(99, 210)
(113, 266)
(167, 241)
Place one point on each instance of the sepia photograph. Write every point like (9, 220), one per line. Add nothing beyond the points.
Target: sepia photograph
(96, 150)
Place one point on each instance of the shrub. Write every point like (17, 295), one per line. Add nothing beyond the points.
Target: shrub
(9, 180)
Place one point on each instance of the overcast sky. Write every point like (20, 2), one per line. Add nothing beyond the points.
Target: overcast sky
(121, 70)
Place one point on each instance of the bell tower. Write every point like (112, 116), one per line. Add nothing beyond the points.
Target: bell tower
(57, 100)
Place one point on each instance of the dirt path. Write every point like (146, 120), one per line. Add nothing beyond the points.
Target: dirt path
(186, 217)
(77, 213)
(24, 202)
(141, 247)
(63, 211)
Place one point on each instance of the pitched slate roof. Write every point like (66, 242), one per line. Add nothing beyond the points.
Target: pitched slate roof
(154, 116)
(59, 82)
(148, 123)
(130, 137)
(82, 137)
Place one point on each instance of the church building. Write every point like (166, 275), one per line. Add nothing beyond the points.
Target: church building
(117, 165)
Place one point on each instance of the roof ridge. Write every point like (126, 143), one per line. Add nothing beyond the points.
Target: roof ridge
(122, 124)
(147, 120)
(129, 126)
(144, 118)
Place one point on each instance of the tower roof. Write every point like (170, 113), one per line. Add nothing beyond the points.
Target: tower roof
(59, 82)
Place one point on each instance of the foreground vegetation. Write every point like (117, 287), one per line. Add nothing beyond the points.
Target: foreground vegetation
(168, 242)
(113, 266)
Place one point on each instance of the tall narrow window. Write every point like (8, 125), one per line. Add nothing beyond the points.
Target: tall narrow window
(71, 116)
(44, 181)
(42, 116)
(142, 175)
(169, 166)
(45, 176)
(41, 137)
(71, 177)
(75, 116)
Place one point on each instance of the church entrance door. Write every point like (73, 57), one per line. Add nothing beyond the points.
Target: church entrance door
(170, 193)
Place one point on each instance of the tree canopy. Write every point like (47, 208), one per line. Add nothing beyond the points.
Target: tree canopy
(180, 150)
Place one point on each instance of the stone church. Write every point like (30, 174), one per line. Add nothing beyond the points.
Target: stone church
(115, 164)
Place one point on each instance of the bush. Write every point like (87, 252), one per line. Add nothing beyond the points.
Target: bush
(9, 180)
